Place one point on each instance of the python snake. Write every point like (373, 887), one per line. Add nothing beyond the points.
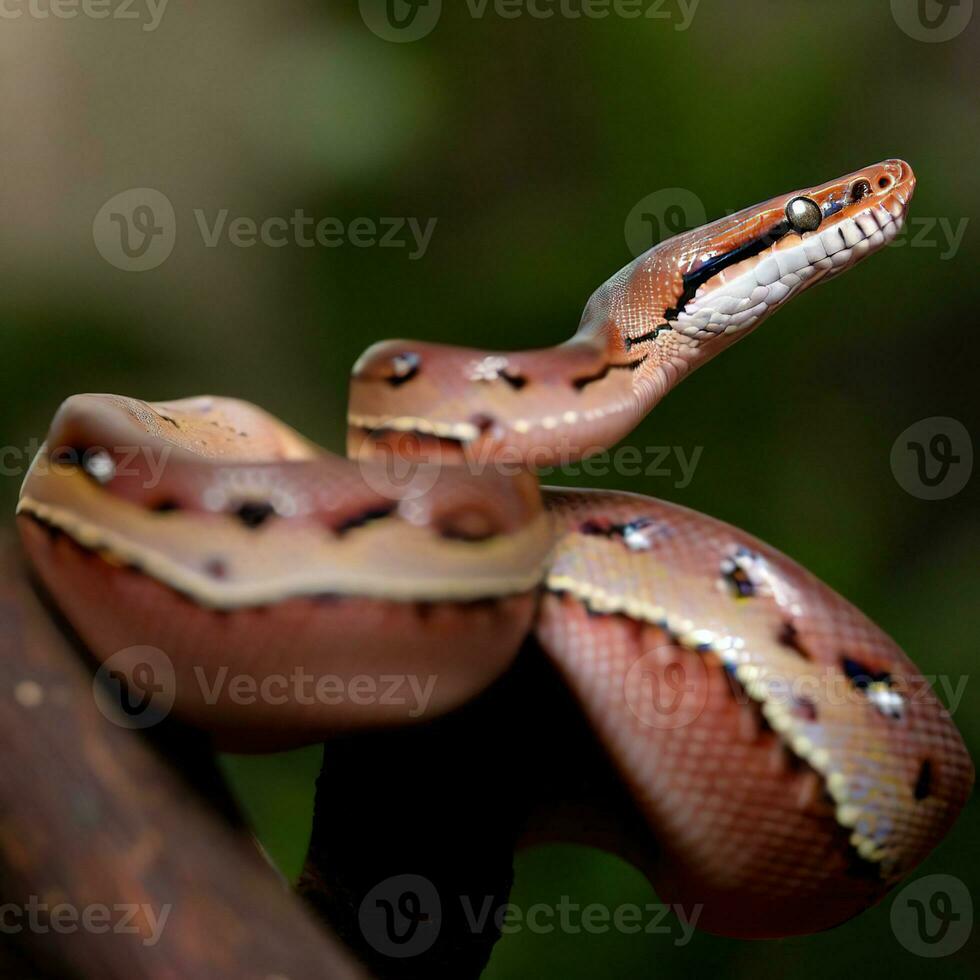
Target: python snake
(806, 766)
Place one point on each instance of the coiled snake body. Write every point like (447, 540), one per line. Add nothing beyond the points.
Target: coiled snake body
(788, 759)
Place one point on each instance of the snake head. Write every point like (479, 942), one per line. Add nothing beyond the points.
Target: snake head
(725, 278)
(656, 320)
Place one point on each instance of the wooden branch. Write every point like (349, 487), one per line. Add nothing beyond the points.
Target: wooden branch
(111, 864)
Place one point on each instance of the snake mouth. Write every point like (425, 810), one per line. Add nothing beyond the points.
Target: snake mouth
(406, 441)
(450, 434)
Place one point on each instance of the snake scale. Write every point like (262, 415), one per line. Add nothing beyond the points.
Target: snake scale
(787, 758)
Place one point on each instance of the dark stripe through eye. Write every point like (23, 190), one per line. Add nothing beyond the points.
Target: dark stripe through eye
(693, 281)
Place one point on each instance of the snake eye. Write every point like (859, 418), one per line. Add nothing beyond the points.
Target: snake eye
(803, 214)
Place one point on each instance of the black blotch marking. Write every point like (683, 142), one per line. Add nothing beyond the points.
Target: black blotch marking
(404, 367)
(516, 381)
(861, 676)
(580, 383)
(216, 568)
(693, 281)
(425, 610)
(606, 529)
(789, 637)
(365, 517)
(923, 782)
(483, 422)
(804, 708)
(737, 577)
(68, 456)
(167, 506)
(630, 342)
(255, 514)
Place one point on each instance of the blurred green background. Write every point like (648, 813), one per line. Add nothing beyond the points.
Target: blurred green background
(530, 141)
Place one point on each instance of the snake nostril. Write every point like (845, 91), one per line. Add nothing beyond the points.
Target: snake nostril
(884, 182)
(860, 189)
(254, 514)
(923, 782)
(484, 423)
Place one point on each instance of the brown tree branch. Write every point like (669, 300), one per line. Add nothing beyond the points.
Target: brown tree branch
(111, 864)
